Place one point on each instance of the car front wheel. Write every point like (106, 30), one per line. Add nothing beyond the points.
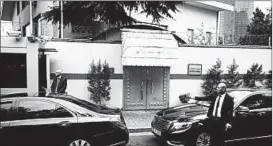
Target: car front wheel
(203, 139)
(79, 142)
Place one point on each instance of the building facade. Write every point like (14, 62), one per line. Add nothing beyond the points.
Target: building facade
(204, 20)
(150, 67)
(233, 24)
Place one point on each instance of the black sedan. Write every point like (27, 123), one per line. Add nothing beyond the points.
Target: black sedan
(186, 124)
(59, 120)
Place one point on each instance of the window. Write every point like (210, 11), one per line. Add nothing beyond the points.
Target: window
(257, 102)
(37, 25)
(208, 37)
(191, 34)
(40, 109)
(24, 4)
(5, 110)
(13, 72)
(18, 7)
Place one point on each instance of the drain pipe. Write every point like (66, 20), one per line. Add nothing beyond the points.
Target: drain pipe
(1, 9)
(62, 20)
(30, 18)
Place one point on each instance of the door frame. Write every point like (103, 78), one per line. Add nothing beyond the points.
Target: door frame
(166, 70)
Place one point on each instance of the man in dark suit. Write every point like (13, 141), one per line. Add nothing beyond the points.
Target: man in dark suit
(59, 83)
(220, 113)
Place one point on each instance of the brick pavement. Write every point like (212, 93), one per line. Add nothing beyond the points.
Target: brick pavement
(139, 121)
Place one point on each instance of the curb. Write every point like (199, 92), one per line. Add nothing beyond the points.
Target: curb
(140, 130)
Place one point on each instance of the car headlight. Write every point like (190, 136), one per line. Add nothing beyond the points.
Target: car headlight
(179, 127)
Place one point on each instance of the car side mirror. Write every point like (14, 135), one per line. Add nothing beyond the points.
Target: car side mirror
(242, 109)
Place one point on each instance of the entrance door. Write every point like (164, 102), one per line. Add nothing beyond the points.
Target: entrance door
(145, 88)
(42, 74)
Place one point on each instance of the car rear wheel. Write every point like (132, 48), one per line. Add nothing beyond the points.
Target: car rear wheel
(79, 142)
(203, 139)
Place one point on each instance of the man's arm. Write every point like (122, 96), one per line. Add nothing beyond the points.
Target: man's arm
(53, 85)
(230, 110)
(209, 97)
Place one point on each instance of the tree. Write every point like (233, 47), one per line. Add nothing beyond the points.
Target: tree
(212, 78)
(259, 30)
(254, 73)
(260, 23)
(233, 75)
(99, 82)
(111, 12)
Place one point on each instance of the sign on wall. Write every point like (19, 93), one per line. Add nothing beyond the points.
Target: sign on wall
(195, 69)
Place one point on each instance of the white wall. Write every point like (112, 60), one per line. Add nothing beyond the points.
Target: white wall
(189, 17)
(207, 57)
(75, 58)
(78, 88)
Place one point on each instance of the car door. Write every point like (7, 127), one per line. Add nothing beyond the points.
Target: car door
(6, 111)
(250, 122)
(41, 122)
(264, 113)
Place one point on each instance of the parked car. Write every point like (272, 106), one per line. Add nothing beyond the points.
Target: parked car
(186, 124)
(59, 120)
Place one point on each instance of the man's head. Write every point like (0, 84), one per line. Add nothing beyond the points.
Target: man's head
(221, 88)
(58, 73)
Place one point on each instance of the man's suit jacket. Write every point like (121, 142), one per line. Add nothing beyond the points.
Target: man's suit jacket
(227, 106)
(61, 87)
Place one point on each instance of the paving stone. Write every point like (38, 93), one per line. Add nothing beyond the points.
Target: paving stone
(139, 119)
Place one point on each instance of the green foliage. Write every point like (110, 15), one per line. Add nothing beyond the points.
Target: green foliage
(212, 78)
(200, 36)
(111, 12)
(269, 79)
(99, 81)
(233, 75)
(254, 73)
(255, 39)
(260, 23)
(259, 30)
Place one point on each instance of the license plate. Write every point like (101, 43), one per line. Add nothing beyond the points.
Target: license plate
(156, 131)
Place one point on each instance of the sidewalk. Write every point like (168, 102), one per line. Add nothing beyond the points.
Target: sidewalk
(139, 121)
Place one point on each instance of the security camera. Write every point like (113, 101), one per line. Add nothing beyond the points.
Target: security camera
(32, 38)
(14, 33)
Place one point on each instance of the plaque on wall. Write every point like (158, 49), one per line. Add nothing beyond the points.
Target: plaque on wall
(195, 69)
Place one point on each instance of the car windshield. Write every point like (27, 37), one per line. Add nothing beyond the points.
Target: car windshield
(238, 95)
(74, 100)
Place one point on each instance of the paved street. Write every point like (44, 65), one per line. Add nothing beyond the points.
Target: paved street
(147, 139)
(143, 139)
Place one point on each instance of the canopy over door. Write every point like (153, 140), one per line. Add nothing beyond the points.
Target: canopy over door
(148, 47)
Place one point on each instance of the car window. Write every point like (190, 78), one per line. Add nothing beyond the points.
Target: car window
(41, 109)
(5, 107)
(258, 101)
